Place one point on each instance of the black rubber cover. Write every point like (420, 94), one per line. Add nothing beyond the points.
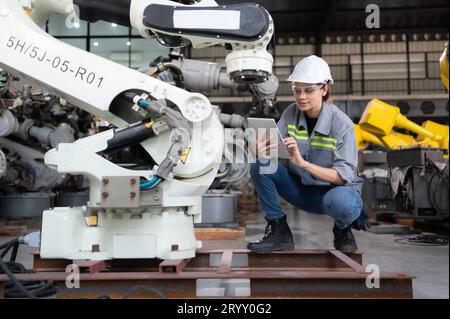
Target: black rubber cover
(114, 11)
(129, 136)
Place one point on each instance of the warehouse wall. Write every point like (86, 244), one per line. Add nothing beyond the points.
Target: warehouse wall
(386, 64)
(394, 68)
(399, 68)
(111, 41)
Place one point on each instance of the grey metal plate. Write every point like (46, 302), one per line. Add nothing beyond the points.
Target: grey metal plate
(120, 191)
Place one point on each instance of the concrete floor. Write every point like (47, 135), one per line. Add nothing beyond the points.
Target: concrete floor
(429, 265)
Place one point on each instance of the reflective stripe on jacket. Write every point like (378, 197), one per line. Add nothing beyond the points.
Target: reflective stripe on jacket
(332, 143)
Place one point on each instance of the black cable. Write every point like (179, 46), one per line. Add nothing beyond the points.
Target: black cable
(16, 282)
(256, 105)
(14, 252)
(16, 268)
(432, 192)
(39, 289)
(7, 243)
(434, 201)
(423, 240)
(15, 288)
(10, 245)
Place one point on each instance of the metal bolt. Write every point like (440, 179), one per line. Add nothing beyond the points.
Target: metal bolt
(132, 194)
(156, 198)
(105, 181)
(133, 181)
(105, 194)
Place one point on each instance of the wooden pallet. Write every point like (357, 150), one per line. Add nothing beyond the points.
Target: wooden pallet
(18, 227)
(220, 233)
(6, 230)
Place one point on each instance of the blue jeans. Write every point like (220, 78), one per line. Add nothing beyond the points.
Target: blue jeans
(342, 203)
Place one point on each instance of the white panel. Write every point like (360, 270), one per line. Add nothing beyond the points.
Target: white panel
(387, 58)
(336, 59)
(130, 246)
(207, 19)
(426, 46)
(286, 50)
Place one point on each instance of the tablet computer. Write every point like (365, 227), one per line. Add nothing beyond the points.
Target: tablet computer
(265, 123)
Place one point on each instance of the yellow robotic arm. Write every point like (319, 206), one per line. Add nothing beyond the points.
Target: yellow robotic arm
(363, 137)
(443, 61)
(380, 118)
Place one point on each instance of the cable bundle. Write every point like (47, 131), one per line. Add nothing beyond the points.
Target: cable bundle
(21, 289)
(439, 187)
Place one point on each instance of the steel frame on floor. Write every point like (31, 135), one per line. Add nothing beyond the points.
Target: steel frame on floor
(287, 274)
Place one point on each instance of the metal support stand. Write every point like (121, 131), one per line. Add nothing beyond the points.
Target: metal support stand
(289, 274)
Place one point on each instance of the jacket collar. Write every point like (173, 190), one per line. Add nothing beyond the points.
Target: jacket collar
(323, 125)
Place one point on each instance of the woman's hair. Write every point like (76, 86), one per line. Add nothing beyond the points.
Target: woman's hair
(327, 98)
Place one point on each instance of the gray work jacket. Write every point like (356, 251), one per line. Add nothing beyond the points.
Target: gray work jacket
(332, 143)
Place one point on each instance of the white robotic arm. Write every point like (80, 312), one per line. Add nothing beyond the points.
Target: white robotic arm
(129, 222)
(246, 29)
(124, 218)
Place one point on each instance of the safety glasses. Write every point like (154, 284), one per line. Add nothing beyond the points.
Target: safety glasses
(307, 89)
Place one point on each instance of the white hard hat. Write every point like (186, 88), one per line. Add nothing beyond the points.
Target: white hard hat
(311, 69)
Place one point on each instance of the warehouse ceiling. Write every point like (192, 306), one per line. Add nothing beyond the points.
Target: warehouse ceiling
(320, 17)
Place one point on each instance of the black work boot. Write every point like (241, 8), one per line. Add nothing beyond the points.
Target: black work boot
(362, 222)
(277, 236)
(344, 240)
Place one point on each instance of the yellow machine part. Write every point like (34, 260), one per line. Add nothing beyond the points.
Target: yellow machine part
(443, 61)
(398, 140)
(27, 10)
(436, 129)
(363, 137)
(426, 142)
(380, 118)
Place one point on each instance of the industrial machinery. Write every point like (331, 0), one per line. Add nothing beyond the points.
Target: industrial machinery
(380, 119)
(422, 182)
(205, 77)
(416, 167)
(245, 29)
(144, 213)
(363, 138)
(221, 202)
(31, 123)
(443, 63)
